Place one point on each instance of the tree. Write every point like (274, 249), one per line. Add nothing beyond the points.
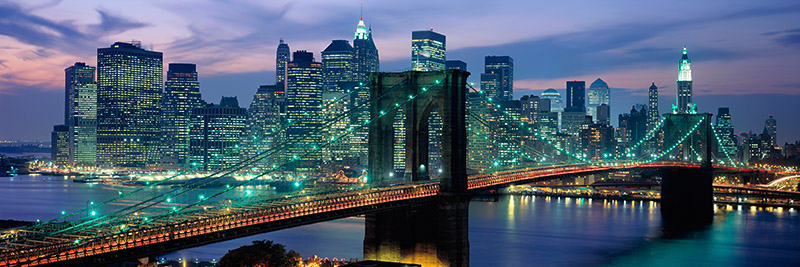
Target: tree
(260, 253)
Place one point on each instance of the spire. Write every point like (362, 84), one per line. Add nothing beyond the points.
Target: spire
(361, 29)
(653, 86)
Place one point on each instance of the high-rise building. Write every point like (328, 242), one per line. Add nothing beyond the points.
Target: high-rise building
(598, 94)
(81, 113)
(181, 96)
(555, 100)
(683, 104)
(129, 84)
(265, 118)
(508, 137)
(632, 129)
(281, 59)
(597, 141)
(456, 65)
(428, 51)
(480, 150)
(303, 109)
(652, 106)
(490, 82)
(771, 128)
(365, 54)
(337, 66)
(532, 106)
(603, 114)
(724, 130)
(576, 96)
(216, 132)
(59, 145)
(503, 66)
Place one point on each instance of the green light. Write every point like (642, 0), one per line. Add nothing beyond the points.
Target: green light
(169, 200)
(63, 212)
(93, 213)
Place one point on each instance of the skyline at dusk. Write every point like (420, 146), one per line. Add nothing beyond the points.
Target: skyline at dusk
(745, 55)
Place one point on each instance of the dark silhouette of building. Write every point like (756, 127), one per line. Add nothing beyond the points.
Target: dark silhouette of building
(632, 128)
(181, 96)
(576, 96)
(771, 128)
(456, 65)
(603, 114)
(597, 141)
(727, 138)
(129, 84)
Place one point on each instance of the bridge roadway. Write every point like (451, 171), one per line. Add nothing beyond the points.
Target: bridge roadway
(107, 244)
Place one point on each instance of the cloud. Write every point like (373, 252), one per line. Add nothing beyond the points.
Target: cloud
(111, 24)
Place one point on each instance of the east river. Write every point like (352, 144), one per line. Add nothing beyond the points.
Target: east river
(514, 231)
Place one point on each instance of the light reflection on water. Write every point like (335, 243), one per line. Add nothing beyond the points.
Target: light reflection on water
(514, 231)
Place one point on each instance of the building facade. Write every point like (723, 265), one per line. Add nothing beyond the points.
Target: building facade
(683, 103)
(598, 94)
(365, 55)
(555, 100)
(181, 96)
(129, 85)
(428, 50)
(337, 66)
(281, 59)
(576, 96)
(503, 66)
(303, 109)
(724, 131)
(81, 113)
(59, 146)
(265, 119)
(216, 132)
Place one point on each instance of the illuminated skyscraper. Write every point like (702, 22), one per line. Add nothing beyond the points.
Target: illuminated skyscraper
(576, 96)
(129, 84)
(59, 145)
(555, 100)
(428, 51)
(683, 104)
(598, 94)
(216, 131)
(724, 128)
(303, 109)
(266, 115)
(81, 113)
(503, 66)
(181, 96)
(652, 107)
(365, 54)
(281, 59)
(337, 66)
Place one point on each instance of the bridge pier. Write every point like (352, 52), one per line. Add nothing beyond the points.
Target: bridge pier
(431, 235)
(687, 198)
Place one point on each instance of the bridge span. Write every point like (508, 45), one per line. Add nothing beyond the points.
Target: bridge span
(117, 242)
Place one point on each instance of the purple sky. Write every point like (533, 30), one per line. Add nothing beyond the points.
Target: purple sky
(745, 55)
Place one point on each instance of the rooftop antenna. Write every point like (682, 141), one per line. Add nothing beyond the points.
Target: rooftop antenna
(361, 16)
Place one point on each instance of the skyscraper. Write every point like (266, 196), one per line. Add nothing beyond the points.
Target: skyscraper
(503, 66)
(632, 128)
(337, 66)
(303, 106)
(555, 100)
(771, 128)
(365, 54)
(603, 114)
(81, 113)
(652, 107)
(598, 94)
(576, 96)
(281, 59)
(683, 104)
(428, 51)
(724, 128)
(129, 84)
(59, 145)
(216, 131)
(264, 120)
(181, 96)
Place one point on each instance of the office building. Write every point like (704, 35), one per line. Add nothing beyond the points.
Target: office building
(598, 94)
(281, 59)
(216, 132)
(266, 114)
(576, 96)
(81, 113)
(129, 84)
(683, 103)
(632, 128)
(555, 100)
(603, 114)
(303, 110)
(771, 128)
(503, 66)
(365, 54)
(428, 51)
(456, 65)
(181, 96)
(724, 131)
(337, 66)
(597, 141)
(59, 146)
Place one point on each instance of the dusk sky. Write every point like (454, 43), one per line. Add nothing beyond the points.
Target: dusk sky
(745, 54)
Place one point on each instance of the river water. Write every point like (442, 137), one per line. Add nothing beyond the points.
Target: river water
(514, 231)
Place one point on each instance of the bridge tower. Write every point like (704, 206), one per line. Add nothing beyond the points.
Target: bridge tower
(435, 234)
(687, 197)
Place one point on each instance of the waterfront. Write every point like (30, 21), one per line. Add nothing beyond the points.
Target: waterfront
(514, 231)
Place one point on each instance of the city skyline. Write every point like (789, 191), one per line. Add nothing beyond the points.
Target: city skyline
(713, 88)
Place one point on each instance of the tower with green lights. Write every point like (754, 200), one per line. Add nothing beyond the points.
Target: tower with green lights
(683, 103)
